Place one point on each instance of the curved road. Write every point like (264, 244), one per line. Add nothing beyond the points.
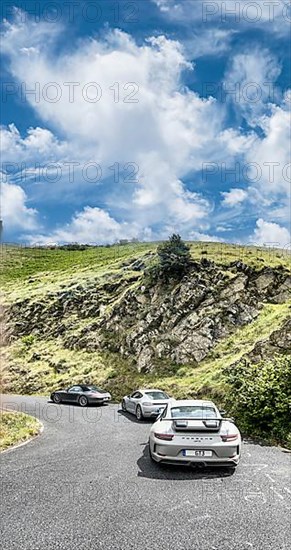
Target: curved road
(87, 482)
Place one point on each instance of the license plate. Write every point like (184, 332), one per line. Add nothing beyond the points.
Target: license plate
(197, 453)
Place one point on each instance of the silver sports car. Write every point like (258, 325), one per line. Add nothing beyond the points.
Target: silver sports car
(194, 432)
(145, 403)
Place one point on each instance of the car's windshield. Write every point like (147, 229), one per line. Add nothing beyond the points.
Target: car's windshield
(192, 411)
(156, 395)
(94, 388)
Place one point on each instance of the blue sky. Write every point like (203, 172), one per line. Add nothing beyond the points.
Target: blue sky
(147, 117)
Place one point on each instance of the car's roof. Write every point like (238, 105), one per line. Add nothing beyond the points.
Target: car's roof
(150, 389)
(192, 402)
(82, 385)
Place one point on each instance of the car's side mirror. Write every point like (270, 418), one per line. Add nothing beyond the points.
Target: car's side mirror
(222, 412)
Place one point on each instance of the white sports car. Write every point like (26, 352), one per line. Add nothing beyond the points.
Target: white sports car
(194, 432)
(145, 403)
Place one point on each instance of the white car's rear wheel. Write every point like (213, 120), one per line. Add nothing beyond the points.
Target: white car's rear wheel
(138, 413)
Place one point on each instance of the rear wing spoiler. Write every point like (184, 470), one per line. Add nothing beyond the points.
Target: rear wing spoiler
(208, 423)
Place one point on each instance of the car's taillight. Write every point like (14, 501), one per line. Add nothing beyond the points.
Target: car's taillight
(229, 437)
(165, 437)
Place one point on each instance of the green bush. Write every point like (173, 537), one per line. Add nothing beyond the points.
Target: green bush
(174, 257)
(260, 398)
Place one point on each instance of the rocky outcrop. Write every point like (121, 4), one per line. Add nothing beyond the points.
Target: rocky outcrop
(279, 343)
(179, 322)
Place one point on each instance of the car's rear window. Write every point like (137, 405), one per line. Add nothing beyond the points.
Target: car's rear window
(191, 411)
(156, 395)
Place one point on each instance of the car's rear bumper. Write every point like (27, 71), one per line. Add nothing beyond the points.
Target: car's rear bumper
(200, 462)
(151, 412)
(191, 461)
(98, 400)
(220, 454)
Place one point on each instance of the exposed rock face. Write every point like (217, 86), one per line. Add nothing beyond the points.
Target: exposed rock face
(278, 342)
(179, 322)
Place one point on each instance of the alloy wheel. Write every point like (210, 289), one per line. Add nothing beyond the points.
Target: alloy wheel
(83, 401)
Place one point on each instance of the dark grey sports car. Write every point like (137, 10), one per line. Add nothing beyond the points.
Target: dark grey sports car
(83, 395)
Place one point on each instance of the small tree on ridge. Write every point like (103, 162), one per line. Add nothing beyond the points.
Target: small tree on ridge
(174, 257)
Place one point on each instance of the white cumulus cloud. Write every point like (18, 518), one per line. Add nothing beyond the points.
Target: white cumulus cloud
(271, 234)
(143, 116)
(92, 225)
(15, 212)
(148, 118)
(233, 197)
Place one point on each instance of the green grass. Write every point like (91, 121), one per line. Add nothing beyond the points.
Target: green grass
(38, 366)
(33, 272)
(21, 263)
(256, 257)
(16, 427)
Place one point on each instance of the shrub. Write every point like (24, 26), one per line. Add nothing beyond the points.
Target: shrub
(261, 397)
(174, 257)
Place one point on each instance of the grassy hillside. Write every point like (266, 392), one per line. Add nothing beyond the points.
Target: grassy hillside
(21, 263)
(37, 365)
(40, 359)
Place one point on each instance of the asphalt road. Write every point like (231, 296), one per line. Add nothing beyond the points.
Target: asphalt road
(87, 482)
